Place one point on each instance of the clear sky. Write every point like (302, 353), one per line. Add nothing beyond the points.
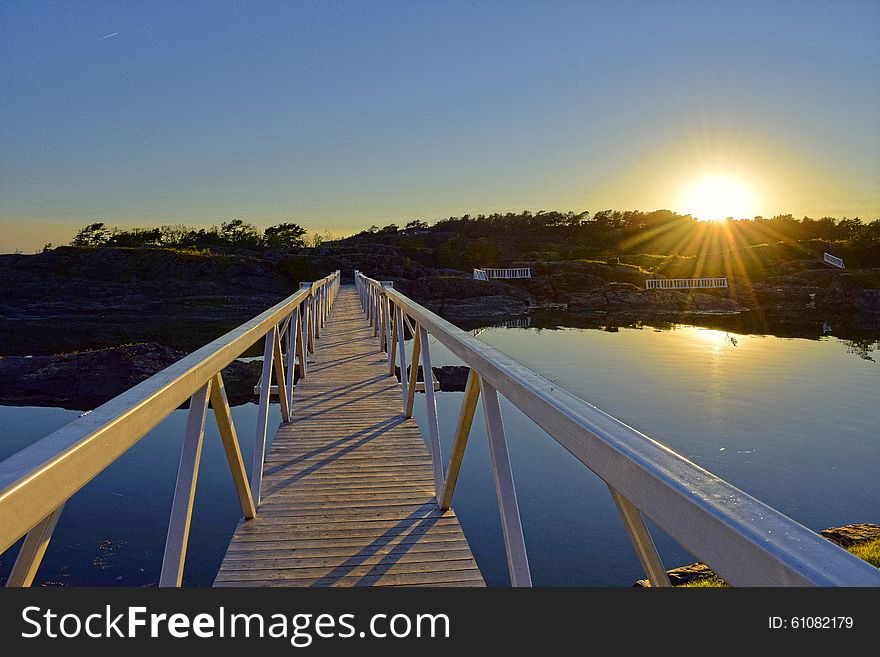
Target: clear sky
(338, 115)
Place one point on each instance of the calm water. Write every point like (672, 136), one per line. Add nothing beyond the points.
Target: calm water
(793, 422)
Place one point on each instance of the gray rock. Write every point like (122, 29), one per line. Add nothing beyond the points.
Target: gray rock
(85, 380)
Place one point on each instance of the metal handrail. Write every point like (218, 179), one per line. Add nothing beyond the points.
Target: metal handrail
(507, 272)
(743, 540)
(36, 482)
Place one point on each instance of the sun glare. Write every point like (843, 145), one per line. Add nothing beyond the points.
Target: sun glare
(714, 198)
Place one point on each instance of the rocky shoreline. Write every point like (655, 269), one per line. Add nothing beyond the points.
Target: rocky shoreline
(84, 380)
(65, 313)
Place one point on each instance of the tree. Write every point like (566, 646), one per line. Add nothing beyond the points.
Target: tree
(317, 239)
(238, 233)
(91, 235)
(451, 252)
(285, 235)
(482, 252)
(416, 224)
(459, 252)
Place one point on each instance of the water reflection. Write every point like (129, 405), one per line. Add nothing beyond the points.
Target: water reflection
(790, 420)
(859, 342)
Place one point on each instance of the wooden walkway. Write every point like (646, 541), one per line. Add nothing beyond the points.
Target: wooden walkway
(348, 493)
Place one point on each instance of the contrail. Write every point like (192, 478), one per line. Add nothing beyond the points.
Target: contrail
(108, 36)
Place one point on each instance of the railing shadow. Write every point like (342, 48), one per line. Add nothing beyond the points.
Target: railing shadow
(418, 522)
(367, 434)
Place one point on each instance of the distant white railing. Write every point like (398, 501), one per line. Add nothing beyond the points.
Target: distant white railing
(684, 283)
(744, 541)
(834, 261)
(495, 272)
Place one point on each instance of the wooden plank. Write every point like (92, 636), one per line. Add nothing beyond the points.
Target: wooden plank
(348, 484)
(341, 549)
(257, 578)
(298, 563)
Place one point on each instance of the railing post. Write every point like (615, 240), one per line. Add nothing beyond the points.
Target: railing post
(262, 417)
(292, 329)
(29, 558)
(185, 491)
(431, 414)
(641, 540)
(392, 342)
(316, 314)
(302, 349)
(401, 348)
(377, 314)
(511, 524)
(413, 372)
(386, 326)
(228, 437)
(311, 312)
(280, 379)
(462, 431)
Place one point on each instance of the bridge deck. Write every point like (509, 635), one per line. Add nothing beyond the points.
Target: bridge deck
(348, 494)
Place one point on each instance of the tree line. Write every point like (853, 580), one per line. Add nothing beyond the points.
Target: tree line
(500, 239)
(619, 222)
(235, 233)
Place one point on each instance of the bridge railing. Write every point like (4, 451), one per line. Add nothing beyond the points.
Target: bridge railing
(742, 539)
(480, 275)
(36, 482)
(685, 283)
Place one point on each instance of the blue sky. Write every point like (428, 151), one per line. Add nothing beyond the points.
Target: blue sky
(339, 115)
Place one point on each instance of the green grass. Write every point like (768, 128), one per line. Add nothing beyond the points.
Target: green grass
(869, 551)
(647, 261)
(713, 582)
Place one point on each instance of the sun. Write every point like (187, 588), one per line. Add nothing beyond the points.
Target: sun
(714, 198)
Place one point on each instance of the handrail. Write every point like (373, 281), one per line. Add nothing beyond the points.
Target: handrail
(685, 283)
(743, 540)
(36, 482)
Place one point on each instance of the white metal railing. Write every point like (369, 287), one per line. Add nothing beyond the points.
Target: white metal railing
(742, 539)
(36, 482)
(495, 272)
(833, 260)
(685, 283)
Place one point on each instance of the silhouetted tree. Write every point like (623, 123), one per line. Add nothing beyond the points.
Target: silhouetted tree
(284, 235)
(416, 224)
(237, 233)
(92, 235)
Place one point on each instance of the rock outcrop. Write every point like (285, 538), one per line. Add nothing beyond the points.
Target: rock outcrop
(450, 377)
(85, 380)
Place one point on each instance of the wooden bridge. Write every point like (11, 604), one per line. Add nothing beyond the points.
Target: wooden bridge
(348, 489)
(352, 494)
